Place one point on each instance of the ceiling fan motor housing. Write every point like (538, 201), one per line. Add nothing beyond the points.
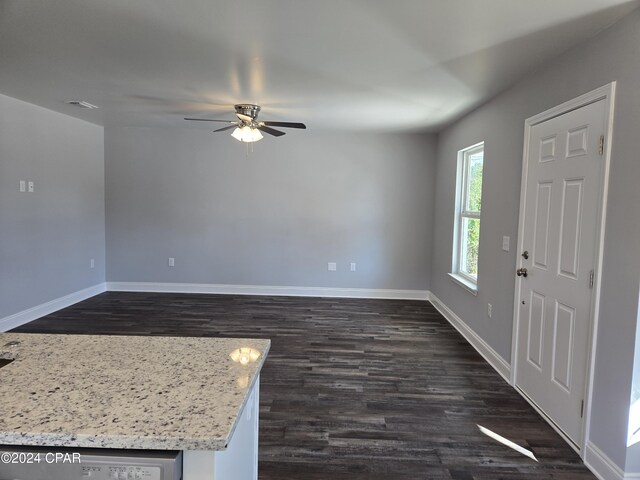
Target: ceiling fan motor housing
(248, 109)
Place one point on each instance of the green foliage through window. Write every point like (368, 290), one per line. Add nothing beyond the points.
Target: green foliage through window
(474, 197)
(471, 242)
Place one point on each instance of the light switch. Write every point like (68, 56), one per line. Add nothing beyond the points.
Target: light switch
(30, 186)
(23, 186)
(332, 266)
(172, 262)
(505, 243)
(353, 266)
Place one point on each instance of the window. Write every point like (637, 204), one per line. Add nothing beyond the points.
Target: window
(467, 221)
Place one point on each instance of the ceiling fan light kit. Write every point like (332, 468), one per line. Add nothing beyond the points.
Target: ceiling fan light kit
(247, 128)
(247, 134)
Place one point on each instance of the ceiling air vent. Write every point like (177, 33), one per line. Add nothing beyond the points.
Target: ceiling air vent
(81, 104)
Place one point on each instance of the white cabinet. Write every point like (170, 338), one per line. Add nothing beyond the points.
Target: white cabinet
(240, 460)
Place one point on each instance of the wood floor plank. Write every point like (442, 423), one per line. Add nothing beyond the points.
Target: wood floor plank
(353, 389)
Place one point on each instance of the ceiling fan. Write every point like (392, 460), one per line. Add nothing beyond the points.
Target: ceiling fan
(247, 127)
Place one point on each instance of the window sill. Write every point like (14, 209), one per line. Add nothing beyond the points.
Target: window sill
(470, 287)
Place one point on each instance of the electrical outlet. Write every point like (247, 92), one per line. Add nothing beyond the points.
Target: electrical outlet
(353, 266)
(31, 187)
(23, 186)
(489, 309)
(505, 243)
(172, 262)
(332, 266)
(92, 263)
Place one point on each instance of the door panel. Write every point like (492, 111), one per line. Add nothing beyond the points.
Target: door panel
(577, 141)
(541, 227)
(563, 345)
(536, 327)
(548, 149)
(570, 227)
(561, 198)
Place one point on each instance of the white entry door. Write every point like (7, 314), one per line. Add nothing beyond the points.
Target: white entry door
(561, 215)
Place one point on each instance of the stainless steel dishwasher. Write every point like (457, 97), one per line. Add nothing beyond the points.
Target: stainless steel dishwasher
(52, 463)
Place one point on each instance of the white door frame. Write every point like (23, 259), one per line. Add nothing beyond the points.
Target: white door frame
(606, 93)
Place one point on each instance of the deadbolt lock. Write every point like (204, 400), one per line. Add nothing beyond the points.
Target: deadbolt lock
(525, 254)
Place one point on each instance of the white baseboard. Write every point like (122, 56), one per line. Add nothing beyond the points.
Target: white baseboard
(267, 290)
(490, 355)
(25, 316)
(601, 465)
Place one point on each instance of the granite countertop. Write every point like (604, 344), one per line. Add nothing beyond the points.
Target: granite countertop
(135, 392)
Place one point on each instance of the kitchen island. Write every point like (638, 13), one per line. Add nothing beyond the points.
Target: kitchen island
(196, 395)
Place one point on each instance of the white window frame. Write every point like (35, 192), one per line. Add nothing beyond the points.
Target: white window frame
(467, 281)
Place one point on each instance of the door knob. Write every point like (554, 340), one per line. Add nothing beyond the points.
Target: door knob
(522, 272)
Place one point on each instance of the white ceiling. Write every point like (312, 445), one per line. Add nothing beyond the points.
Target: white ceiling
(349, 64)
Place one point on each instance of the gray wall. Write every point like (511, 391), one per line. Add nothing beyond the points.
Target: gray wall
(613, 55)
(273, 217)
(48, 237)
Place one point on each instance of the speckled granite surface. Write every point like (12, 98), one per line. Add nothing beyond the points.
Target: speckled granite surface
(167, 393)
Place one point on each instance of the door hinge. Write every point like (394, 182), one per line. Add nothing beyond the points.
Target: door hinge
(582, 409)
(601, 147)
(591, 274)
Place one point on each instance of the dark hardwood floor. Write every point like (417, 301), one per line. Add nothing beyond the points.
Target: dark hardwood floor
(353, 389)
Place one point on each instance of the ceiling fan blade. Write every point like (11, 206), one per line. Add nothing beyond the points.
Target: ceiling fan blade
(270, 131)
(209, 120)
(226, 128)
(284, 124)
